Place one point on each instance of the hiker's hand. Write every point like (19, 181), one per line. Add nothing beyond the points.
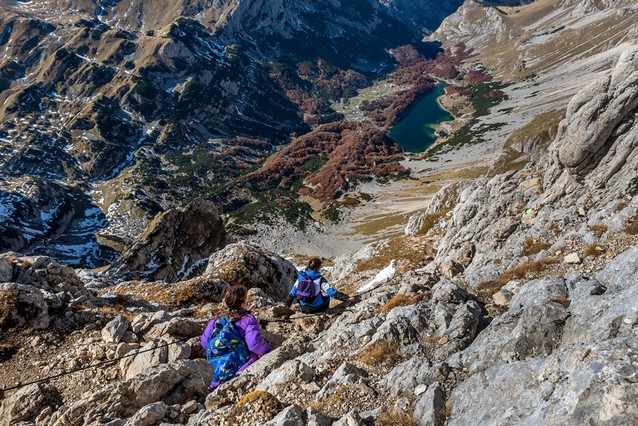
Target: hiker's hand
(282, 310)
(354, 299)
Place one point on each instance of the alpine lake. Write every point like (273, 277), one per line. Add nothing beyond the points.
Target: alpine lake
(416, 131)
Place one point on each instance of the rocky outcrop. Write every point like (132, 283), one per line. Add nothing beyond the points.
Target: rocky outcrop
(252, 266)
(175, 246)
(565, 384)
(34, 290)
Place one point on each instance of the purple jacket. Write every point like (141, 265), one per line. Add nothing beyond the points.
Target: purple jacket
(248, 328)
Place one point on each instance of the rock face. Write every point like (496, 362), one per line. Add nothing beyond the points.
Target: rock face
(34, 289)
(175, 246)
(252, 266)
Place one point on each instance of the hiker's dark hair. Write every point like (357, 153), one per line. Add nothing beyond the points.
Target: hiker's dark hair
(314, 264)
(234, 298)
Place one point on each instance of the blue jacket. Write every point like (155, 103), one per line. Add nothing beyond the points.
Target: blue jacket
(321, 286)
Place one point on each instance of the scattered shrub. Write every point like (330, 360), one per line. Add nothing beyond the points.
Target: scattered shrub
(532, 246)
(382, 352)
(8, 302)
(632, 226)
(621, 206)
(395, 418)
(489, 288)
(396, 301)
(592, 250)
(430, 220)
(598, 229)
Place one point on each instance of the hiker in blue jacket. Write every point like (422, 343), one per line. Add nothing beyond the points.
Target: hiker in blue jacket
(309, 290)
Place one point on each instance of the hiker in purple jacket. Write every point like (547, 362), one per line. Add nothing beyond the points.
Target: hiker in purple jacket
(246, 324)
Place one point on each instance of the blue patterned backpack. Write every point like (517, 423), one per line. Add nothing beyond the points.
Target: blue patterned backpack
(226, 350)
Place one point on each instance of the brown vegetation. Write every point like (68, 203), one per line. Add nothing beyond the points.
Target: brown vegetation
(592, 250)
(532, 246)
(489, 288)
(430, 220)
(331, 158)
(395, 418)
(632, 226)
(381, 352)
(598, 229)
(8, 302)
(395, 302)
(194, 292)
(410, 253)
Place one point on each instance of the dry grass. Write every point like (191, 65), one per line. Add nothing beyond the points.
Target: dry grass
(341, 393)
(117, 310)
(260, 402)
(542, 129)
(8, 302)
(189, 293)
(396, 301)
(252, 397)
(430, 220)
(632, 226)
(409, 252)
(621, 205)
(532, 246)
(383, 352)
(598, 229)
(395, 418)
(489, 288)
(592, 250)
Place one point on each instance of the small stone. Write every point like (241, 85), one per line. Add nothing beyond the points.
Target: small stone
(572, 259)
(501, 298)
(420, 390)
(443, 340)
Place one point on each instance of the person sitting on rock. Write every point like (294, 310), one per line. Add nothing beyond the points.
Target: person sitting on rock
(232, 339)
(309, 288)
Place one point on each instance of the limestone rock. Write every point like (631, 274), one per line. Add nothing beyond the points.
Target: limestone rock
(289, 416)
(114, 331)
(175, 246)
(346, 374)
(430, 408)
(293, 371)
(595, 112)
(243, 263)
(22, 405)
(133, 366)
(24, 306)
(149, 415)
(573, 259)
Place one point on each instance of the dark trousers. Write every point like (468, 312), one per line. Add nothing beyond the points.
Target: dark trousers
(321, 308)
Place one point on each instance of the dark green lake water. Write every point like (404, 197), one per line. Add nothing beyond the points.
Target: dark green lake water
(415, 131)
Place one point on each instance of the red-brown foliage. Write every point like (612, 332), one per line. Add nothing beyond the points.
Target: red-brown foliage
(407, 55)
(354, 151)
(476, 77)
(496, 94)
